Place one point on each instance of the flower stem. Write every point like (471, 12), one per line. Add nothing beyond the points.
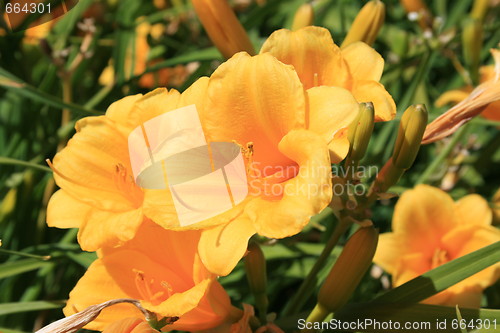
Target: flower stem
(318, 314)
(438, 162)
(307, 286)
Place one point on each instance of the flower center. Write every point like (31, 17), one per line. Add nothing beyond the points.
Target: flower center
(150, 290)
(125, 184)
(439, 258)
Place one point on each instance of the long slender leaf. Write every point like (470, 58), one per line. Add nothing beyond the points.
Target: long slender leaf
(21, 266)
(16, 307)
(10, 82)
(442, 277)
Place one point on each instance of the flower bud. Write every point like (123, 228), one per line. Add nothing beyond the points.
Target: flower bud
(255, 265)
(223, 27)
(367, 23)
(304, 17)
(360, 131)
(349, 269)
(411, 130)
(479, 9)
(472, 40)
(8, 203)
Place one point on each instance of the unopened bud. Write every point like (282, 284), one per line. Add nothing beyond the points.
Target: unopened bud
(304, 17)
(349, 269)
(367, 23)
(479, 9)
(255, 265)
(411, 131)
(8, 203)
(360, 131)
(223, 27)
(472, 41)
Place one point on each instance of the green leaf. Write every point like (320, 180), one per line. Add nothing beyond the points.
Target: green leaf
(10, 82)
(429, 318)
(8, 308)
(8, 330)
(21, 266)
(442, 277)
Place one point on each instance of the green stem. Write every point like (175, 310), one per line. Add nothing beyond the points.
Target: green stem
(439, 161)
(22, 254)
(12, 161)
(307, 286)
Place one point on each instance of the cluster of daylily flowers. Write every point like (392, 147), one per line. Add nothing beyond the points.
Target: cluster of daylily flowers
(292, 103)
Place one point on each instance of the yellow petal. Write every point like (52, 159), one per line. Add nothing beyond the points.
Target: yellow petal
(152, 105)
(63, 211)
(389, 250)
(452, 96)
(473, 209)
(409, 267)
(120, 110)
(95, 287)
(303, 196)
(338, 148)
(254, 99)
(221, 248)
(95, 166)
(422, 216)
(372, 91)
(130, 325)
(102, 228)
(364, 62)
(311, 51)
(330, 110)
(467, 239)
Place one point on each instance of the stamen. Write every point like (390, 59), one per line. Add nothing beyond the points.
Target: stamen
(316, 79)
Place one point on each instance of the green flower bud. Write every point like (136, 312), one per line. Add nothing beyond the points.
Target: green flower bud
(349, 269)
(255, 265)
(472, 40)
(360, 131)
(411, 130)
(304, 17)
(367, 23)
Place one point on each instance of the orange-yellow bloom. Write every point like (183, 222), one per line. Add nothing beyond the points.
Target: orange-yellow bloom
(288, 167)
(429, 229)
(160, 268)
(319, 62)
(484, 98)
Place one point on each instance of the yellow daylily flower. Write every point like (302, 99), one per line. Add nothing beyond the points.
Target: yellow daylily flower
(289, 170)
(484, 98)
(429, 229)
(319, 62)
(162, 270)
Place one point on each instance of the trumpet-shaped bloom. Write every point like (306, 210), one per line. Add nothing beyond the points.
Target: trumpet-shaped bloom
(160, 268)
(319, 62)
(429, 229)
(285, 127)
